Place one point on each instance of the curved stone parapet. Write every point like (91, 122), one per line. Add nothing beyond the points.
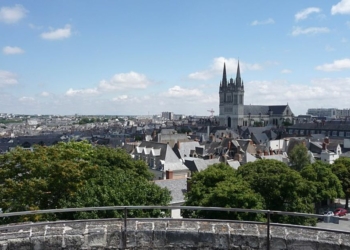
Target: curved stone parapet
(166, 234)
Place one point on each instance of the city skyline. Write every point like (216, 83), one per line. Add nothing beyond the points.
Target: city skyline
(139, 58)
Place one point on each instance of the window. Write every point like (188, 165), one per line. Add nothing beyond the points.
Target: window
(334, 133)
(341, 133)
(235, 99)
(347, 134)
(240, 99)
(301, 132)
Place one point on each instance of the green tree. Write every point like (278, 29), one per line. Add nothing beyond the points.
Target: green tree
(219, 186)
(341, 168)
(282, 188)
(71, 174)
(299, 157)
(327, 184)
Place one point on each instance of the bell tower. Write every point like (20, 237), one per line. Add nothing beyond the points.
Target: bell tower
(231, 105)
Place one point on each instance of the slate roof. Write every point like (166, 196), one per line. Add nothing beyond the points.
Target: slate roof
(166, 153)
(185, 148)
(197, 164)
(177, 187)
(264, 110)
(260, 138)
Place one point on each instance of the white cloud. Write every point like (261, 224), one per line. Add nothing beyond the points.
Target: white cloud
(319, 92)
(311, 30)
(217, 66)
(26, 99)
(178, 91)
(8, 50)
(286, 71)
(344, 40)
(303, 14)
(337, 65)
(7, 78)
(12, 14)
(80, 92)
(263, 22)
(57, 34)
(120, 98)
(343, 7)
(131, 80)
(45, 94)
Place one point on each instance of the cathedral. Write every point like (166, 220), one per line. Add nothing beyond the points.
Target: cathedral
(233, 113)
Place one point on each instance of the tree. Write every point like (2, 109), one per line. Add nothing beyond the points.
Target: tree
(281, 187)
(341, 168)
(73, 173)
(327, 184)
(219, 186)
(299, 157)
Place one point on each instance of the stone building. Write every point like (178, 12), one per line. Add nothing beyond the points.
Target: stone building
(233, 112)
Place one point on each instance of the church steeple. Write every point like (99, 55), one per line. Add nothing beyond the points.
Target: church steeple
(224, 77)
(238, 77)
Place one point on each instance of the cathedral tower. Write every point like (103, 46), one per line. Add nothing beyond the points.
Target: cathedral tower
(231, 107)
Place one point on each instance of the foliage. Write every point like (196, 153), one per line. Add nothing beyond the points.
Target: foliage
(341, 168)
(299, 157)
(327, 184)
(282, 188)
(86, 120)
(73, 174)
(219, 186)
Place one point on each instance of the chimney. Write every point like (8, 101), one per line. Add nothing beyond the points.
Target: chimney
(324, 146)
(178, 144)
(271, 151)
(266, 153)
(169, 174)
(229, 145)
(208, 131)
(326, 140)
(238, 157)
(188, 184)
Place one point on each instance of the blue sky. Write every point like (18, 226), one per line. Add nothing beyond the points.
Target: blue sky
(145, 57)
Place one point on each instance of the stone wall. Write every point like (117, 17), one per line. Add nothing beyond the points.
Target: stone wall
(165, 234)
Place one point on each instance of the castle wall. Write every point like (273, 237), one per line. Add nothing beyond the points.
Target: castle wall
(166, 234)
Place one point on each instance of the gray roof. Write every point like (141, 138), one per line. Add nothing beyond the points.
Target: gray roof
(197, 164)
(185, 148)
(260, 138)
(177, 187)
(264, 110)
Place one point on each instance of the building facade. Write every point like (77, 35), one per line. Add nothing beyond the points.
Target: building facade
(233, 112)
(329, 113)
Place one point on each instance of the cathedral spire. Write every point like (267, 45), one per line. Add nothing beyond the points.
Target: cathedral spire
(224, 78)
(238, 76)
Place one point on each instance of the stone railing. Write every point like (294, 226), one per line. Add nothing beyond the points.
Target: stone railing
(167, 234)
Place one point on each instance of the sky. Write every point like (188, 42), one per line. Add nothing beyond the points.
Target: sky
(135, 57)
